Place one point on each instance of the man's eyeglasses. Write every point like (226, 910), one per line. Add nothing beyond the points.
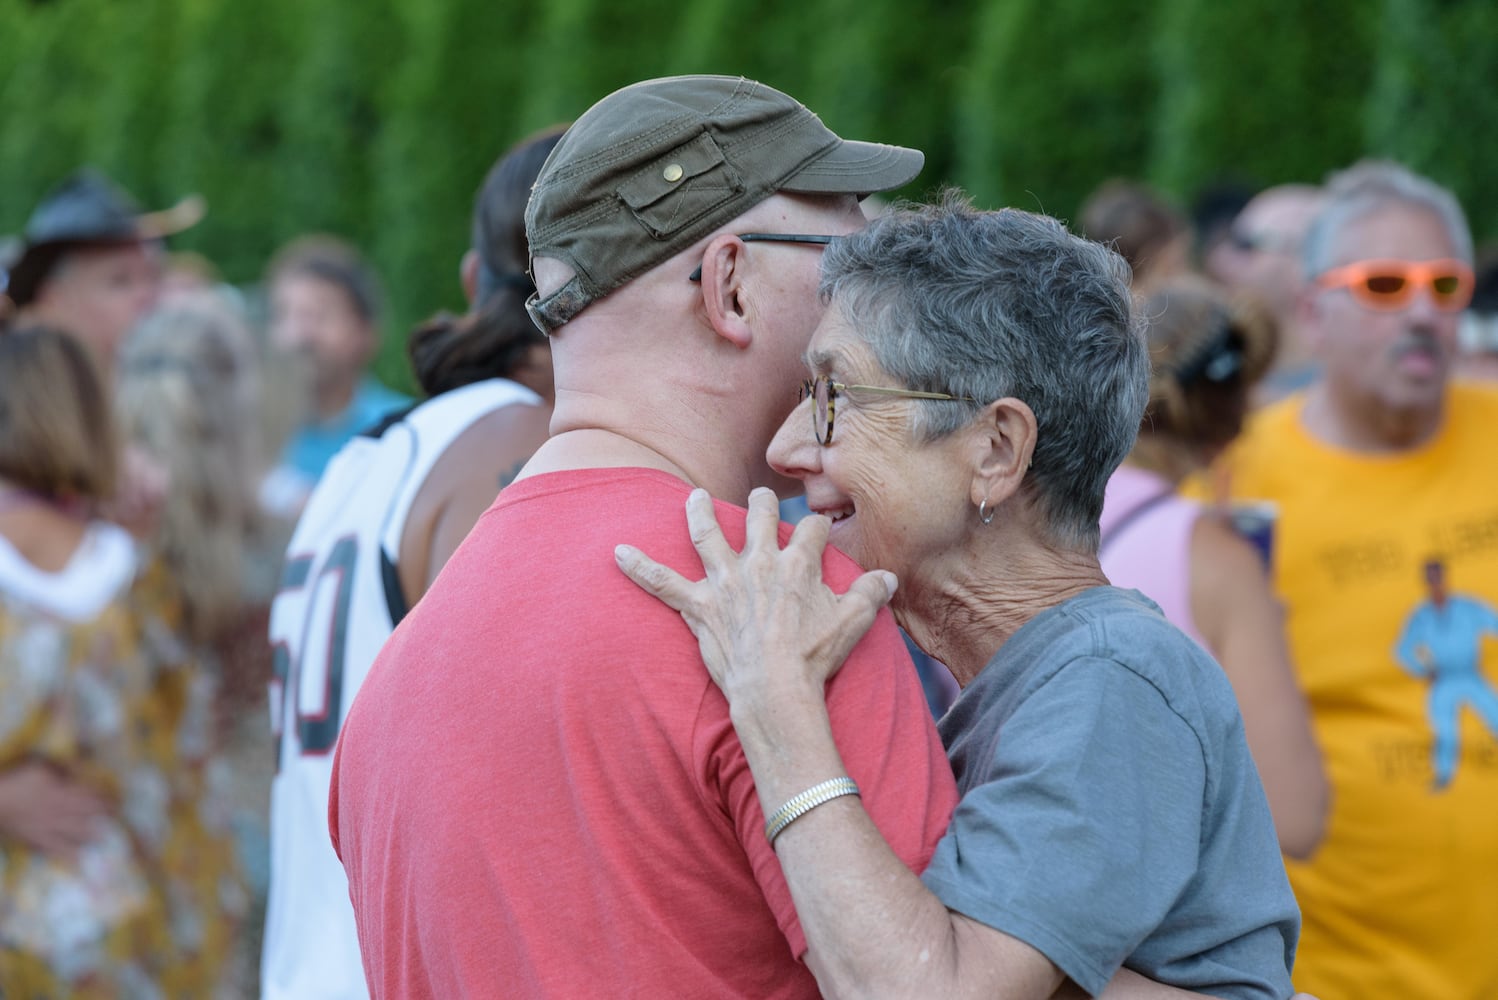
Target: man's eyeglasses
(771, 238)
(824, 392)
(1390, 285)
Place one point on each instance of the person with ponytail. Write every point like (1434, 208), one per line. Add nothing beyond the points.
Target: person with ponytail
(392, 507)
(1211, 581)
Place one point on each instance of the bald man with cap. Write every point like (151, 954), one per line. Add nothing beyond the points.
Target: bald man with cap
(538, 792)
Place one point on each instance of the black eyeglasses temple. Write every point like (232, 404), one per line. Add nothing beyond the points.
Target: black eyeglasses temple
(771, 238)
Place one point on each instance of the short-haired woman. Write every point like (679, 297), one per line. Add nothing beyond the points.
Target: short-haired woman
(975, 380)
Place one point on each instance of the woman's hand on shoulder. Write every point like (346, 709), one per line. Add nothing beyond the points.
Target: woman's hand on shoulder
(764, 618)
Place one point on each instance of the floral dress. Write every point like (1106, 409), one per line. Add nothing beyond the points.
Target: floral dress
(92, 684)
(190, 835)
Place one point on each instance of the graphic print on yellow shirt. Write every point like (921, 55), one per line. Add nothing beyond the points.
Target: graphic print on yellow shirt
(1441, 644)
(1401, 898)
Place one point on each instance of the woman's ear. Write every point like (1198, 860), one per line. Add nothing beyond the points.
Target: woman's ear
(1003, 443)
(723, 276)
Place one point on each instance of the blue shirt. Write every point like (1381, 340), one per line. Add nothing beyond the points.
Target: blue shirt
(313, 446)
(1111, 814)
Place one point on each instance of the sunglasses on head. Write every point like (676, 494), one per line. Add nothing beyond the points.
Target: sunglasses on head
(1391, 284)
(1262, 242)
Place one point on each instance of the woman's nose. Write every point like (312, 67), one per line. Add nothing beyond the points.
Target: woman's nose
(794, 451)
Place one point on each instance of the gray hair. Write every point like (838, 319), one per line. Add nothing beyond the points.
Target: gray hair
(1005, 304)
(1368, 186)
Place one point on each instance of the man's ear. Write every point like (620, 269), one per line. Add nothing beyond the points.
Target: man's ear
(723, 276)
(1002, 442)
(468, 273)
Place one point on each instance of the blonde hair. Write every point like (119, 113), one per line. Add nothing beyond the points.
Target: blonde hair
(189, 395)
(57, 434)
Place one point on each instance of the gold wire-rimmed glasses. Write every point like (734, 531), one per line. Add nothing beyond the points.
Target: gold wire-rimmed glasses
(823, 392)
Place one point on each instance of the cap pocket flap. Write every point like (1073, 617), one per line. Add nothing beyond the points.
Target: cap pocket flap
(678, 188)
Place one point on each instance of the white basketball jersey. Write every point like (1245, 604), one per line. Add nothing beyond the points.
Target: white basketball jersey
(339, 600)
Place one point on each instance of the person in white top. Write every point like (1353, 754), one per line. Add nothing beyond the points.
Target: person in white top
(392, 506)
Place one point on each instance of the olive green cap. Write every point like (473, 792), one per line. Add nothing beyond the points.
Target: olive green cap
(655, 167)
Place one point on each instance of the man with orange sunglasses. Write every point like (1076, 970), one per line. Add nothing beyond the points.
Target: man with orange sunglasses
(1379, 468)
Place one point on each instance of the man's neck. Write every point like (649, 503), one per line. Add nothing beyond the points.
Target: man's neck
(601, 448)
(1361, 424)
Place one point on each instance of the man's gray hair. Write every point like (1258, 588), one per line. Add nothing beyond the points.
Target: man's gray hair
(1369, 186)
(1005, 304)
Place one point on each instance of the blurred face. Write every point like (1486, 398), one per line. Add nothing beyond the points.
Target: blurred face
(1395, 360)
(317, 319)
(885, 490)
(1171, 260)
(99, 293)
(1435, 580)
(1262, 252)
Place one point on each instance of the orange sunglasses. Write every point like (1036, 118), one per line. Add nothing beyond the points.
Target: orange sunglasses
(1391, 284)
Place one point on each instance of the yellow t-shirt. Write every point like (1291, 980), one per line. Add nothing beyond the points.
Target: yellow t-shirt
(1401, 899)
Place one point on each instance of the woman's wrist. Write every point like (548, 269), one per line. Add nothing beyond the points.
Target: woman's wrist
(775, 705)
(787, 740)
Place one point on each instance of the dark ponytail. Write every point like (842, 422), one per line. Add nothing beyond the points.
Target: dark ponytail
(448, 352)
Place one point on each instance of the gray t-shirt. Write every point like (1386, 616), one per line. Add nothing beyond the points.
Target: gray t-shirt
(1111, 814)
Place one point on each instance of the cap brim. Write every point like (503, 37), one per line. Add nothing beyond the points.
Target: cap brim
(169, 221)
(860, 168)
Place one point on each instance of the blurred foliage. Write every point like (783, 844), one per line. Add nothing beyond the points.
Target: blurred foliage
(1436, 64)
(376, 119)
(1261, 93)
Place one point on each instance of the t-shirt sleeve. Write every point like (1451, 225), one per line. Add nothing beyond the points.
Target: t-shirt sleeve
(1088, 825)
(890, 747)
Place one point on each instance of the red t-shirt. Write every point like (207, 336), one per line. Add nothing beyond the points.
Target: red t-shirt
(538, 792)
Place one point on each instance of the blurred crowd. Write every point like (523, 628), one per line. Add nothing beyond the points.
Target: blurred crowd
(1308, 499)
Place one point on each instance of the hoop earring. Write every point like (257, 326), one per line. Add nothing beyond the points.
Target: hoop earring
(984, 514)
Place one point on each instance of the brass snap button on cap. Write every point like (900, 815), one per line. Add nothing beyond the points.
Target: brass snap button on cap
(673, 172)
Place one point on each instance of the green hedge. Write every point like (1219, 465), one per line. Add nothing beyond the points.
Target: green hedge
(1432, 100)
(1262, 94)
(376, 119)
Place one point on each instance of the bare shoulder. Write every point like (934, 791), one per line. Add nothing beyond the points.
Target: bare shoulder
(462, 483)
(1228, 578)
(485, 457)
(494, 443)
(1214, 540)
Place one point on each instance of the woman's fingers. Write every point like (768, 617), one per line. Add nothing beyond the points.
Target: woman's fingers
(658, 581)
(811, 531)
(768, 611)
(857, 609)
(707, 536)
(762, 526)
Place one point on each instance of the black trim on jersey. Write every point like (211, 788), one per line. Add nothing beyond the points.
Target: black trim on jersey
(395, 597)
(389, 420)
